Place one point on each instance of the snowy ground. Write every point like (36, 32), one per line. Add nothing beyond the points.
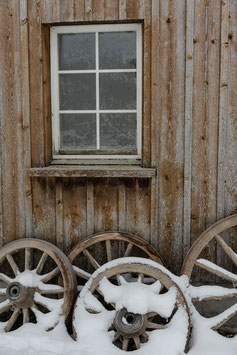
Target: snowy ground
(95, 338)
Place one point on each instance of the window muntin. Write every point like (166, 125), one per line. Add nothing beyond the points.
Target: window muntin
(96, 92)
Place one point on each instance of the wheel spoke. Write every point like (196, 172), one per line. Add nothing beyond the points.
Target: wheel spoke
(12, 263)
(128, 250)
(50, 275)
(141, 278)
(217, 321)
(5, 306)
(91, 259)
(137, 342)
(144, 334)
(206, 293)
(28, 258)
(117, 335)
(118, 276)
(151, 314)
(216, 270)
(227, 249)
(49, 303)
(41, 263)
(26, 315)
(108, 250)
(2, 291)
(125, 343)
(12, 320)
(5, 278)
(81, 273)
(152, 325)
(51, 289)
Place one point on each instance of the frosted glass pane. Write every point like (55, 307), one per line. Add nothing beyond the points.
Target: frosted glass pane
(76, 51)
(117, 50)
(117, 91)
(77, 131)
(77, 92)
(118, 131)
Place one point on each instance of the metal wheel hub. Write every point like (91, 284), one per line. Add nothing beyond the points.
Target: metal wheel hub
(20, 296)
(129, 324)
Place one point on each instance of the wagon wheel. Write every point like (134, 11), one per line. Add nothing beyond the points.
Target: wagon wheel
(30, 291)
(131, 324)
(193, 262)
(89, 254)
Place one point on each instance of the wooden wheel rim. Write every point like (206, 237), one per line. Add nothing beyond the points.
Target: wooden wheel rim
(106, 237)
(63, 268)
(203, 240)
(133, 266)
(191, 260)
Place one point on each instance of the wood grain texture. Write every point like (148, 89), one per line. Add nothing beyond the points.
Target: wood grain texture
(205, 116)
(171, 132)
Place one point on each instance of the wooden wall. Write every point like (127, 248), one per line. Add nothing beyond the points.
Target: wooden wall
(190, 127)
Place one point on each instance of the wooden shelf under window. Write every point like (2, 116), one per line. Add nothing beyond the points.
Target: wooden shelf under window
(93, 171)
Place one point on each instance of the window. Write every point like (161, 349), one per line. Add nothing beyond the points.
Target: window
(96, 91)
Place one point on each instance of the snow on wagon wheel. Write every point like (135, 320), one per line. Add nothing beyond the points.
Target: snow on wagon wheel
(218, 242)
(94, 251)
(30, 292)
(132, 302)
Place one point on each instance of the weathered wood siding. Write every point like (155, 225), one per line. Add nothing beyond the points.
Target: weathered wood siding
(189, 126)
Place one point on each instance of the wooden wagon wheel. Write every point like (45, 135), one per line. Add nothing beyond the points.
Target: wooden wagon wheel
(30, 291)
(130, 326)
(84, 256)
(205, 293)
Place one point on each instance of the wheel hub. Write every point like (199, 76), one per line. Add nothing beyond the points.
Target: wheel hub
(20, 296)
(130, 324)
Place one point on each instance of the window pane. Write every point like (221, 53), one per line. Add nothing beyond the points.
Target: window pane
(77, 92)
(77, 131)
(117, 50)
(118, 131)
(76, 51)
(117, 91)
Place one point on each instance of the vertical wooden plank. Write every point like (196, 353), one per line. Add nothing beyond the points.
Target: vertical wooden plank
(138, 208)
(122, 9)
(98, 10)
(230, 172)
(171, 153)
(75, 202)
(90, 222)
(46, 11)
(188, 124)
(56, 10)
(155, 116)
(36, 80)
(105, 205)
(121, 206)
(12, 153)
(59, 214)
(26, 113)
(49, 210)
(134, 9)
(66, 10)
(46, 95)
(205, 113)
(79, 10)
(111, 10)
(88, 10)
(223, 108)
(142, 10)
(3, 53)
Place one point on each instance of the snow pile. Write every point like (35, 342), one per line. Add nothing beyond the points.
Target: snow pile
(93, 329)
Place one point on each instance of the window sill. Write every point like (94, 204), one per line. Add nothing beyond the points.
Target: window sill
(93, 171)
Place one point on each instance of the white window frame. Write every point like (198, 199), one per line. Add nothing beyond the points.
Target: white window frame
(54, 31)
